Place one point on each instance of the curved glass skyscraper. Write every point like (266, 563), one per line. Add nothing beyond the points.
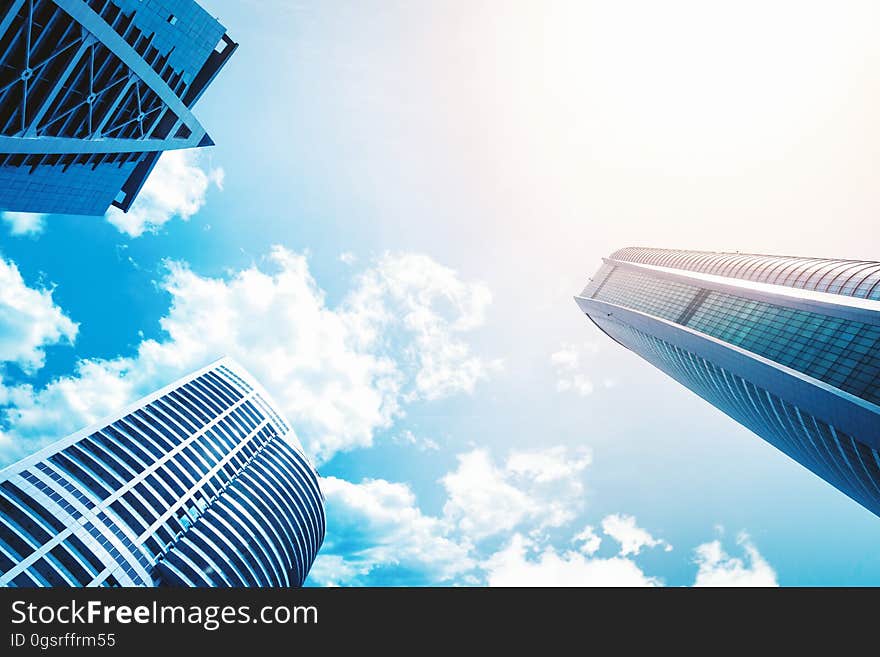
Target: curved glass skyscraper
(92, 92)
(199, 484)
(788, 347)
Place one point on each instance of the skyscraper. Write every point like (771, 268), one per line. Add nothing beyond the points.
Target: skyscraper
(788, 347)
(202, 483)
(93, 91)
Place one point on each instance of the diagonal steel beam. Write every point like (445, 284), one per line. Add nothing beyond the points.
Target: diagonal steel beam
(17, 36)
(59, 85)
(57, 53)
(11, 13)
(92, 22)
(114, 106)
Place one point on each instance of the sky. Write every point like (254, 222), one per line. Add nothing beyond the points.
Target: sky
(403, 200)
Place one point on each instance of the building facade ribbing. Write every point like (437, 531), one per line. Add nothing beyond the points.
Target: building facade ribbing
(202, 483)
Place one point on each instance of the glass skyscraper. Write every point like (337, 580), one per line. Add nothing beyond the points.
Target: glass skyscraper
(92, 92)
(788, 347)
(202, 483)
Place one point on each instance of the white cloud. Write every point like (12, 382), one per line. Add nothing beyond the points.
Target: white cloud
(176, 187)
(632, 538)
(548, 464)
(481, 502)
(412, 293)
(29, 321)
(513, 566)
(566, 358)
(407, 437)
(333, 570)
(377, 524)
(377, 534)
(332, 375)
(589, 540)
(347, 258)
(39, 417)
(567, 362)
(541, 487)
(717, 568)
(24, 223)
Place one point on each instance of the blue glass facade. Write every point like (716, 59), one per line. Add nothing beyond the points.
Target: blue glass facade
(839, 351)
(91, 93)
(200, 484)
(789, 347)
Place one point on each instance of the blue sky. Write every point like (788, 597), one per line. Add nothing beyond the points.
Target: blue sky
(402, 202)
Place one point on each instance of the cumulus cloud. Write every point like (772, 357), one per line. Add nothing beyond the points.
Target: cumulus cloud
(514, 566)
(334, 371)
(377, 527)
(541, 487)
(24, 223)
(718, 568)
(29, 321)
(548, 464)
(632, 538)
(481, 500)
(378, 534)
(177, 187)
(568, 361)
(383, 537)
(589, 541)
(532, 562)
(413, 294)
(36, 417)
